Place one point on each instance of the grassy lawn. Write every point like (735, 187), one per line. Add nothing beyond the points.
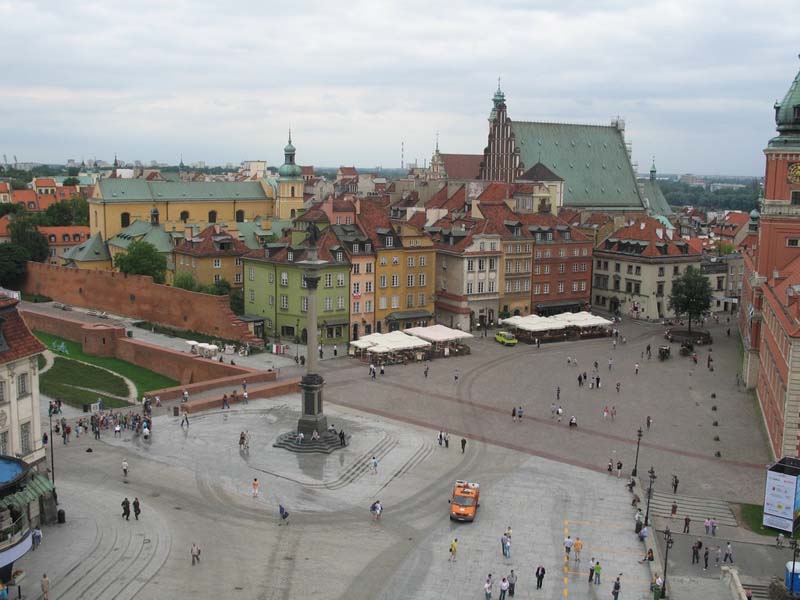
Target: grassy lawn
(751, 517)
(144, 379)
(41, 361)
(58, 382)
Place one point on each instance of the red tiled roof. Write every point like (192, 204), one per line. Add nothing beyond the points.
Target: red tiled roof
(497, 191)
(462, 166)
(4, 187)
(343, 205)
(570, 215)
(21, 342)
(373, 216)
(418, 219)
(348, 171)
(206, 243)
(4, 221)
(44, 182)
(307, 170)
(313, 214)
(646, 229)
(60, 232)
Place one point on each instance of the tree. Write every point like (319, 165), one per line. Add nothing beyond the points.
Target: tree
(186, 281)
(24, 233)
(691, 295)
(73, 172)
(71, 181)
(142, 258)
(80, 210)
(11, 208)
(13, 259)
(237, 301)
(58, 214)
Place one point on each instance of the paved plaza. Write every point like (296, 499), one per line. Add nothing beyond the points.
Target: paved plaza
(537, 476)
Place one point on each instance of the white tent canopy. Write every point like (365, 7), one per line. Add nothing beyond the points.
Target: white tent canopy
(535, 323)
(438, 333)
(389, 342)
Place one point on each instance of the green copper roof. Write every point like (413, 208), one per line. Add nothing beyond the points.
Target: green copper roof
(93, 249)
(592, 160)
(144, 232)
(654, 199)
(140, 190)
(787, 118)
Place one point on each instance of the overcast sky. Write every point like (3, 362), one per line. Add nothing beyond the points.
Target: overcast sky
(695, 80)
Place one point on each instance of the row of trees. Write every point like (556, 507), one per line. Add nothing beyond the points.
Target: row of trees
(74, 211)
(682, 194)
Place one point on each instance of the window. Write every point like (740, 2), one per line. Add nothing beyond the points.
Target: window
(576, 252)
(421, 300)
(237, 261)
(383, 262)
(561, 267)
(574, 286)
(508, 266)
(395, 280)
(4, 443)
(240, 216)
(270, 276)
(547, 269)
(526, 285)
(356, 288)
(338, 220)
(660, 271)
(796, 193)
(382, 281)
(368, 287)
(409, 300)
(290, 256)
(395, 260)
(583, 286)
(481, 264)
(491, 285)
(340, 280)
(327, 304)
(517, 286)
(537, 255)
(546, 288)
(517, 266)
(423, 261)
(368, 306)
(339, 256)
(395, 301)
(793, 242)
(469, 287)
(328, 280)
(537, 289)
(561, 252)
(212, 216)
(481, 287)
(356, 306)
(368, 268)
(237, 278)
(676, 270)
(356, 248)
(217, 263)
(421, 278)
(638, 270)
(470, 265)
(22, 385)
(217, 277)
(481, 246)
(547, 253)
(304, 303)
(382, 302)
(25, 438)
(340, 302)
(356, 268)
(184, 215)
(508, 286)
(492, 264)
(493, 246)
(660, 288)
(583, 267)
(271, 300)
(252, 295)
(410, 261)
(284, 301)
(410, 281)
(537, 269)
(125, 219)
(389, 241)
(585, 252)
(284, 278)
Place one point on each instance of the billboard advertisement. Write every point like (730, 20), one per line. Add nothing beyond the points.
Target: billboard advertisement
(781, 500)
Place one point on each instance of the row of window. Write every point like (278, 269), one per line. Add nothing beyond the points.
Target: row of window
(562, 252)
(482, 287)
(76, 237)
(420, 278)
(357, 287)
(545, 269)
(482, 264)
(23, 389)
(395, 301)
(24, 440)
(357, 268)
(411, 261)
(327, 302)
(636, 269)
(544, 288)
(125, 218)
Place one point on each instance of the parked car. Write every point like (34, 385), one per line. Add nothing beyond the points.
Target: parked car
(506, 338)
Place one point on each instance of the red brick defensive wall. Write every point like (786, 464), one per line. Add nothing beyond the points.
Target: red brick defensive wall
(139, 297)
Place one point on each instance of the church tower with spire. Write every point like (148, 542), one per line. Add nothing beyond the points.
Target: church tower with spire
(501, 160)
(289, 203)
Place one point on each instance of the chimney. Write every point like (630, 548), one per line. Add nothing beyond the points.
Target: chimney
(659, 233)
(642, 225)
(357, 204)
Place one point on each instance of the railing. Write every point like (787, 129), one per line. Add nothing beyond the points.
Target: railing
(11, 532)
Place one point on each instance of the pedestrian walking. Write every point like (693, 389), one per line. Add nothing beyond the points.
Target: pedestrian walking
(320, 351)
(225, 402)
(597, 570)
(245, 397)
(36, 537)
(686, 522)
(463, 445)
(519, 414)
(673, 510)
(605, 413)
(504, 545)
(618, 386)
(342, 439)
(707, 525)
(446, 440)
(184, 420)
(45, 584)
(126, 509)
(487, 589)
(577, 547)
(137, 509)
(374, 465)
(503, 589)
(559, 413)
(568, 542)
(613, 413)
(512, 583)
(195, 554)
(383, 369)
(255, 486)
(376, 509)
(335, 350)
(453, 550)
(636, 368)
(514, 414)
(610, 467)
(705, 559)
(649, 422)
(558, 393)
(610, 363)
(455, 376)
(696, 551)
(591, 570)
(540, 573)
(426, 371)
(617, 589)
(713, 526)
(717, 556)
(619, 469)
(283, 513)
(728, 553)
(675, 483)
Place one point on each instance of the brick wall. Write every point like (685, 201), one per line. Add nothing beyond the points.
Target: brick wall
(138, 297)
(109, 340)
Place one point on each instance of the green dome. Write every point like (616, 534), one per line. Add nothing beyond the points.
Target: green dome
(787, 117)
(287, 170)
(289, 148)
(754, 215)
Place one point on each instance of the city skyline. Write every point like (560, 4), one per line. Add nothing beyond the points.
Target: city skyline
(695, 88)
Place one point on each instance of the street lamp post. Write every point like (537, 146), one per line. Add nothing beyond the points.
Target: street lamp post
(793, 544)
(652, 475)
(668, 543)
(639, 435)
(52, 455)
(297, 343)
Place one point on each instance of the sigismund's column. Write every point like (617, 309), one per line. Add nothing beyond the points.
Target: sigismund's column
(312, 382)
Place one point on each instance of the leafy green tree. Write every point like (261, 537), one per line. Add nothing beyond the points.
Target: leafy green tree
(24, 233)
(73, 172)
(237, 301)
(142, 258)
(59, 214)
(13, 259)
(9, 208)
(185, 280)
(80, 210)
(691, 295)
(724, 248)
(72, 180)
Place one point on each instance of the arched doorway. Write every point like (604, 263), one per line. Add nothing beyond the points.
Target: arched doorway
(304, 336)
(355, 331)
(516, 312)
(379, 326)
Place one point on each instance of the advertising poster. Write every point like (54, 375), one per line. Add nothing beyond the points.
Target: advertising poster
(779, 500)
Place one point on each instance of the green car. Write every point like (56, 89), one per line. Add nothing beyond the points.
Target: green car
(506, 338)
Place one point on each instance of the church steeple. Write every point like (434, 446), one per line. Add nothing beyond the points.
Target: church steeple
(289, 168)
(653, 170)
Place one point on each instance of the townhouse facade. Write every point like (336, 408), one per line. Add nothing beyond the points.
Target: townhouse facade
(211, 256)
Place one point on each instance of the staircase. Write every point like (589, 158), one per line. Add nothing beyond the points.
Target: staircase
(326, 444)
